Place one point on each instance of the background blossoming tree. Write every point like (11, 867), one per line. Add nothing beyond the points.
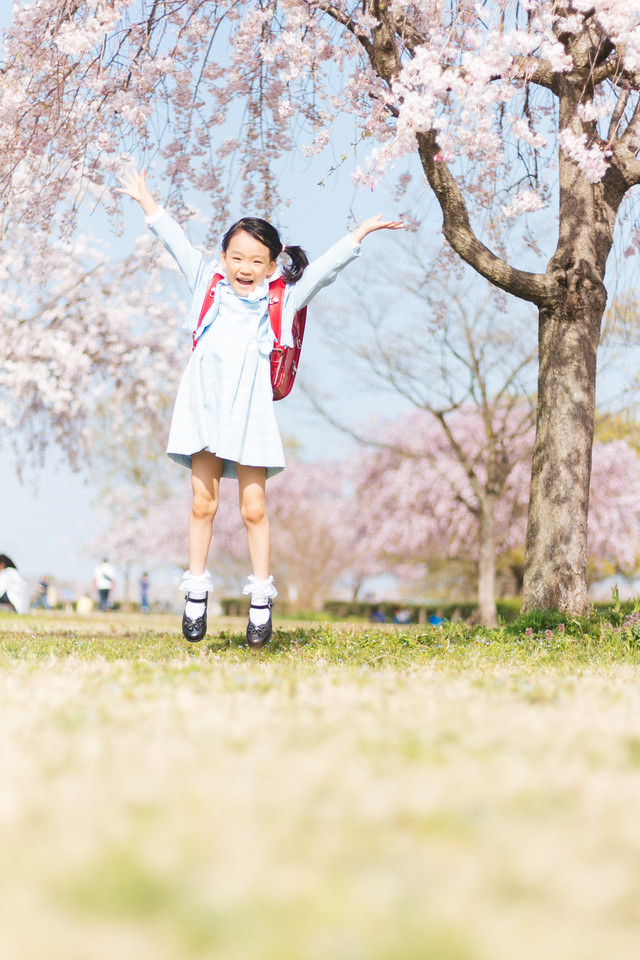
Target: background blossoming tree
(508, 108)
(432, 498)
(468, 369)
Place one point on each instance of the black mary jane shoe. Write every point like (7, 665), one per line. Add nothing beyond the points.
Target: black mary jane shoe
(194, 630)
(257, 636)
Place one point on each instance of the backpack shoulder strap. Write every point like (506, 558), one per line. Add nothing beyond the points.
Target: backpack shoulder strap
(209, 297)
(276, 302)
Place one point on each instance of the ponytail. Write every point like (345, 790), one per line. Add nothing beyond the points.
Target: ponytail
(295, 269)
(267, 234)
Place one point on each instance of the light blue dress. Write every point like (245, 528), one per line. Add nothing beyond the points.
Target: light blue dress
(224, 402)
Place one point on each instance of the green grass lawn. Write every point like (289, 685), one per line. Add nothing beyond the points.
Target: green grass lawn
(346, 793)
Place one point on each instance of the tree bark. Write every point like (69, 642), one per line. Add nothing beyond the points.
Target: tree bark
(556, 545)
(571, 299)
(570, 320)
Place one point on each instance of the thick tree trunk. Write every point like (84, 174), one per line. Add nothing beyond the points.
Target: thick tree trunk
(556, 547)
(570, 319)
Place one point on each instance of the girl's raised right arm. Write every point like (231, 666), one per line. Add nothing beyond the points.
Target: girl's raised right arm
(134, 184)
(189, 258)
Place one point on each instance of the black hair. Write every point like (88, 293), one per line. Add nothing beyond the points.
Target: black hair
(266, 233)
(5, 561)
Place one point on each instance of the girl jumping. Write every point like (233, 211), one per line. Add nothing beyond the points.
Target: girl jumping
(223, 422)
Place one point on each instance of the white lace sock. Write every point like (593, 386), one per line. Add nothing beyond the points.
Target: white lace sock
(194, 610)
(260, 591)
(196, 588)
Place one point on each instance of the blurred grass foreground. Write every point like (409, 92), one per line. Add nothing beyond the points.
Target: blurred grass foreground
(350, 792)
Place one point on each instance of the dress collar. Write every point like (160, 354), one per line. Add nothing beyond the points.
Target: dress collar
(260, 293)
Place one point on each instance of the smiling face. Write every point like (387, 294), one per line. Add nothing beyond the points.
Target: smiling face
(247, 263)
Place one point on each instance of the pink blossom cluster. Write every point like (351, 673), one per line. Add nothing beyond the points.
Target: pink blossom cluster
(88, 84)
(97, 343)
(431, 488)
(590, 158)
(525, 201)
(614, 506)
(433, 483)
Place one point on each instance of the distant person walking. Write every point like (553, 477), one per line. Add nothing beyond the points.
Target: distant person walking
(42, 600)
(104, 580)
(224, 423)
(144, 593)
(13, 588)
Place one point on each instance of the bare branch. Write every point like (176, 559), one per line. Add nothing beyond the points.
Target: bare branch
(618, 114)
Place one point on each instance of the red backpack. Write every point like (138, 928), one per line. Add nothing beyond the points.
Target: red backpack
(284, 360)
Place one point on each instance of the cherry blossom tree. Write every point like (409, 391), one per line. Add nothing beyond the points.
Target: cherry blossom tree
(87, 349)
(614, 507)
(452, 353)
(453, 486)
(424, 498)
(320, 535)
(509, 109)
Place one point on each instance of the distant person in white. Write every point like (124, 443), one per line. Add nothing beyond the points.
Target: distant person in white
(104, 578)
(13, 588)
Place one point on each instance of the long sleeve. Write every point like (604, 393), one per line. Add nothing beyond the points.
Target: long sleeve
(319, 274)
(195, 267)
(190, 260)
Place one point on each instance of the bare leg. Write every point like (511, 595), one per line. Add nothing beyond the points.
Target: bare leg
(206, 470)
(253, 509)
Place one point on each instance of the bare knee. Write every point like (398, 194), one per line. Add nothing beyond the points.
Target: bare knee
(253, 510)
(204, 506)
